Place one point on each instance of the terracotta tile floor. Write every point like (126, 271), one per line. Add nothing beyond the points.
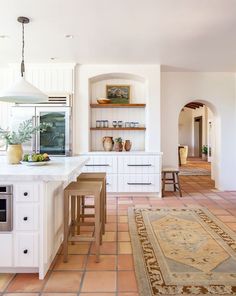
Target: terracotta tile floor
(114, 275)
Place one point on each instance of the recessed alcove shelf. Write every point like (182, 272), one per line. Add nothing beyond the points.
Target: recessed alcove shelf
(135, 111)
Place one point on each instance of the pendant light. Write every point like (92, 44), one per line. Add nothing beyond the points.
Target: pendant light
(22, 91)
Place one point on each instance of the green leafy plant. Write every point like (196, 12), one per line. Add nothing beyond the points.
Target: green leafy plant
(118, 140)
(23, 134)
(204, 149)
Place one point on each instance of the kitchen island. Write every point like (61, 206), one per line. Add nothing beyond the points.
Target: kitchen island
(37, 212)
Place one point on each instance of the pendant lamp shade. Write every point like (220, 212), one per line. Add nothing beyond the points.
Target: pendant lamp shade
(23, 92)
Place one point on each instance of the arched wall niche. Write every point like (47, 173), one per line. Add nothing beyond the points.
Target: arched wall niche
(108, 76)
(138, 85)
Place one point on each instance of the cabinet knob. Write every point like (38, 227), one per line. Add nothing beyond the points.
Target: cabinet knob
(25, 193)
(25, 218)
(25, 251)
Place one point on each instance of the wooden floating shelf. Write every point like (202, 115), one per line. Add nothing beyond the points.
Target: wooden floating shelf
(117, 105)
(118, 128)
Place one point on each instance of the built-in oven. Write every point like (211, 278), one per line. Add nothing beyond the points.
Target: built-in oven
(6, 207)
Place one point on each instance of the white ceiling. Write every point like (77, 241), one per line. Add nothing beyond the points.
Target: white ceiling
(198, 35)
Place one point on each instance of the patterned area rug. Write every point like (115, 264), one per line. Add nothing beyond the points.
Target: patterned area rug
(182, 251)
(191, 171)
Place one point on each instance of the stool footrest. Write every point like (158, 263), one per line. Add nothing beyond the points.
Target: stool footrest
(81, 238)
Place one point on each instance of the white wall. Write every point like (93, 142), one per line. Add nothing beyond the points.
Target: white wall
(148, 73)
(217, 91)
(185, 129)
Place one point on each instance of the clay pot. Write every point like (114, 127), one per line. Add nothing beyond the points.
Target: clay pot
(118, 146)
(108, 143)
(128, 145)
(14, 154)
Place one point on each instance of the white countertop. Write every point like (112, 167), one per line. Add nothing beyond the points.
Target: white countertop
(124, 153)
(58, 169)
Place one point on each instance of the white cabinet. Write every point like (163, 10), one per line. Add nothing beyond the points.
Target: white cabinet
(127, 172)
(106, 164)
(139, 182)
(26, 250)
(138, 164)
(25, 192)
(26, 217)
(112, 183)
(6, 252)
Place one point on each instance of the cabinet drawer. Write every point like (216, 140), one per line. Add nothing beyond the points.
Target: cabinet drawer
(6, 251)
(26, 192)
(139, 182)
(26, 216)
(142, 164)
(26, 250)
(112, 183)
(106, 164)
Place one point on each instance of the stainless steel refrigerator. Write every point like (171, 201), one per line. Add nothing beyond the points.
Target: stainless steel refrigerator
(57, 139)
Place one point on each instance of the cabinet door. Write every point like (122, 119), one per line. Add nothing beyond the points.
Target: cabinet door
(26, 250)
(26, 217)
(26, 192)
(139, 183)
(106, 164)
(142, 164)
(56, 140)
(6, 252)
(112, 183)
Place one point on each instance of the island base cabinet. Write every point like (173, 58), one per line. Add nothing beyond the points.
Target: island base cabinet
(26, 250)
(6, 252)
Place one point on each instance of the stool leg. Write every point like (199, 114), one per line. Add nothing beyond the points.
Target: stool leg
(66, 227)
(180, 191)
(163, 184)
(82, 207)
(173, 178)
(103, 209)
(73, 224)
(78, 215)
(105, 200)
(97, 226)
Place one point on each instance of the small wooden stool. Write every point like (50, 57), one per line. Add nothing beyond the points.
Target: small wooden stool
(74, 192)
(91, 177)
(174, 180)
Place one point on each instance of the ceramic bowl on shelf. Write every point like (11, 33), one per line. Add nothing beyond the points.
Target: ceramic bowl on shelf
(103, 101)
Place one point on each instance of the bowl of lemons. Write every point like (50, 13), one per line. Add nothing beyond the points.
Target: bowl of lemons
(35, 159)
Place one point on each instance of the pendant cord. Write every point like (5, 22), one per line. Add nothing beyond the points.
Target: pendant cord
(23, 51)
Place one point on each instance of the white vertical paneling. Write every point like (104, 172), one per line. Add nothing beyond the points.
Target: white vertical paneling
(123, 114)
(51, 79)
(47, 77)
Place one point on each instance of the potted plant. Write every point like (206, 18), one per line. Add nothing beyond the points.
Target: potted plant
(118, 144)
(204, 152)
(15, 139)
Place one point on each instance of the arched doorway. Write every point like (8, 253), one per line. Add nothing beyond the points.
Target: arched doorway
(198, 138)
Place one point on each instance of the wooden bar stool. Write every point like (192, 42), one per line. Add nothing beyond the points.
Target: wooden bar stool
(171, 180)
(75, 192)
(91, 177)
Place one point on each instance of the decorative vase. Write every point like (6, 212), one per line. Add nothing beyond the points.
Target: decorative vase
(108, 143)
(14, 153)
(128, 145)
(118, 146)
